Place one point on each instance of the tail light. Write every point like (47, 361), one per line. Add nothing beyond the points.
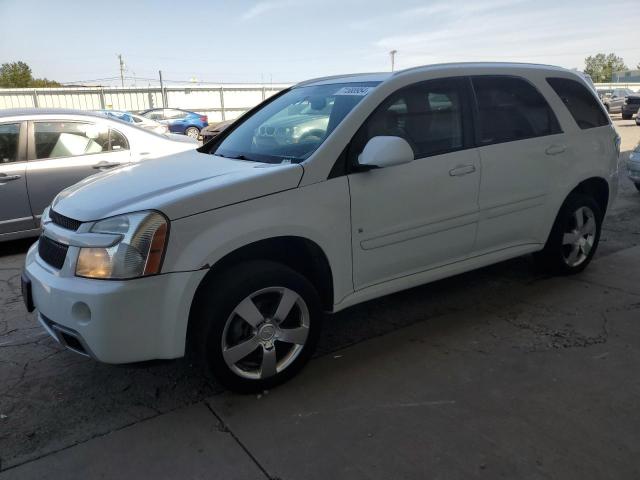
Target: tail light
(204, 119)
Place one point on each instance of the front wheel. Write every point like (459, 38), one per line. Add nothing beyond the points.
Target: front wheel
(192, 132)
(574, 237)
(258, 324)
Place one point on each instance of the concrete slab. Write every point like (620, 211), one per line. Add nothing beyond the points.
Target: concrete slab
(187, 443)
(446, 399)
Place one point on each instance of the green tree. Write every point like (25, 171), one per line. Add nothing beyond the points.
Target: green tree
(601, 66)
(18, 75)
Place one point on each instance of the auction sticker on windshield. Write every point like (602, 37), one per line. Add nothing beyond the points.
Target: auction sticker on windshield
(359, 91)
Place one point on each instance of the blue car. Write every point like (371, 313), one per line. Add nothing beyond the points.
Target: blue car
(178, 121)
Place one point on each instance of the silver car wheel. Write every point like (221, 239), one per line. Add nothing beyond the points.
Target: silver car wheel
(579, 239)
(265, 333)
(192, 132)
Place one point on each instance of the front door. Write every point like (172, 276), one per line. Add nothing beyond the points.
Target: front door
(15, 211)
(64, 152)
(413, 217)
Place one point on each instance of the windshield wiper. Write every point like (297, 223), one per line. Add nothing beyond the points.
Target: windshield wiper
(236, 157)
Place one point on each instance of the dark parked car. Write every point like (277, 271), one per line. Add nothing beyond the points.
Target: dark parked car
(178, 121)
(213, 131)
(613, 104)
(630, 106)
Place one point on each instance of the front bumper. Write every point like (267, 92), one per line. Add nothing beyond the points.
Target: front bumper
(114, 321)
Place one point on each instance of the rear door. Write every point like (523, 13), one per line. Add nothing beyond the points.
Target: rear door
(63, 152)
(15, 211)
(522, 148)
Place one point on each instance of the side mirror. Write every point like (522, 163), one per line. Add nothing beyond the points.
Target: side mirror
(381, 152)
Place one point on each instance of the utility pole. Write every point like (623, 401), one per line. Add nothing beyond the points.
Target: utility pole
(162, 89)
(393, 59)
(121, 70)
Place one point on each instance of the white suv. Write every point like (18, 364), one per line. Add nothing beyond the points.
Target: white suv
(330, 193)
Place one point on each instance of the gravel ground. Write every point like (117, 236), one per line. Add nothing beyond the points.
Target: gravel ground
(51, 398)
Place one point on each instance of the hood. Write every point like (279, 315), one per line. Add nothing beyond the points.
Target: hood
(178, 185)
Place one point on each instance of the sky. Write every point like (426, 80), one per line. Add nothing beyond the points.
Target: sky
(284, 41)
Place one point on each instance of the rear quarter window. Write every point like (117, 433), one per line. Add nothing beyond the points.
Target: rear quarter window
(581, 103)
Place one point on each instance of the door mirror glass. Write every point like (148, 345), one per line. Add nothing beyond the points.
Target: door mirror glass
(385, 151)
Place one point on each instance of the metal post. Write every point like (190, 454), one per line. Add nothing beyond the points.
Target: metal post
(103, 104)
(35, 99)
(393, 59)
(162, 92)
(264, 92)
(222, 102)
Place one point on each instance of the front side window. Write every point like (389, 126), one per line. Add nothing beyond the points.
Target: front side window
(9, 139)
(510, 108)
(582, 105)
(71, 139)
(291, 127)
(428, 115)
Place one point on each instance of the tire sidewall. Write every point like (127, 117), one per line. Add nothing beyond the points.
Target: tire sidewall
(217, 304)
(553, 250)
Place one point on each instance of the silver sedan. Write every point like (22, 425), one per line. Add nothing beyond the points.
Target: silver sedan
(44, 151)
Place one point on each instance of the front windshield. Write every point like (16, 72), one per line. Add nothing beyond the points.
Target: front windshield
(293, 126)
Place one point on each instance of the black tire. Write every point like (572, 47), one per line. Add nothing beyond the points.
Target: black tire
(221, 295)
(193, 132)
(626, 116)
(637, 185)
(553, 258)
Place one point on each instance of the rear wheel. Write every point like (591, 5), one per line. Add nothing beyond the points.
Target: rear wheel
(637, 184)
(192, 132)
(574, 237)
(258, 324)
(626, 116)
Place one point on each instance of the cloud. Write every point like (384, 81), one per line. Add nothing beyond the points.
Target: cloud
(261, 8)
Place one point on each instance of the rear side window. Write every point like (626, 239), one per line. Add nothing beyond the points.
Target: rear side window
(582, 105)
(510, 108)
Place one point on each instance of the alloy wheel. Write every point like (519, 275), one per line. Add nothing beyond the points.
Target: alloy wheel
(579, 237)
(265, 333)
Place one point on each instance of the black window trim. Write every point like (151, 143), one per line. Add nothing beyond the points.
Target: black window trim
(476, 112)
(31, 140)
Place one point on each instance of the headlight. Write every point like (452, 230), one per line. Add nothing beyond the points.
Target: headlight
(138, 254)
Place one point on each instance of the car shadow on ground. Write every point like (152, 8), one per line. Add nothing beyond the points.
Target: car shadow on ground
(16, 247)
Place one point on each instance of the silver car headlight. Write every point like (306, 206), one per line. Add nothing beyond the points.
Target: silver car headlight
(139, 253)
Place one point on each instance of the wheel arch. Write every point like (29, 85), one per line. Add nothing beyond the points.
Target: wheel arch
(298, 253)
(596, 187)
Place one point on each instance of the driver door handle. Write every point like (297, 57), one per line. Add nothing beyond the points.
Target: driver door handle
(105, 165)
(462, 170)
(8, 178)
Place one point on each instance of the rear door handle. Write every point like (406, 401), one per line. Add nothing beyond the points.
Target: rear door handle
(105, 165)
(8, 178)
(555, 149)
(462, 170)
